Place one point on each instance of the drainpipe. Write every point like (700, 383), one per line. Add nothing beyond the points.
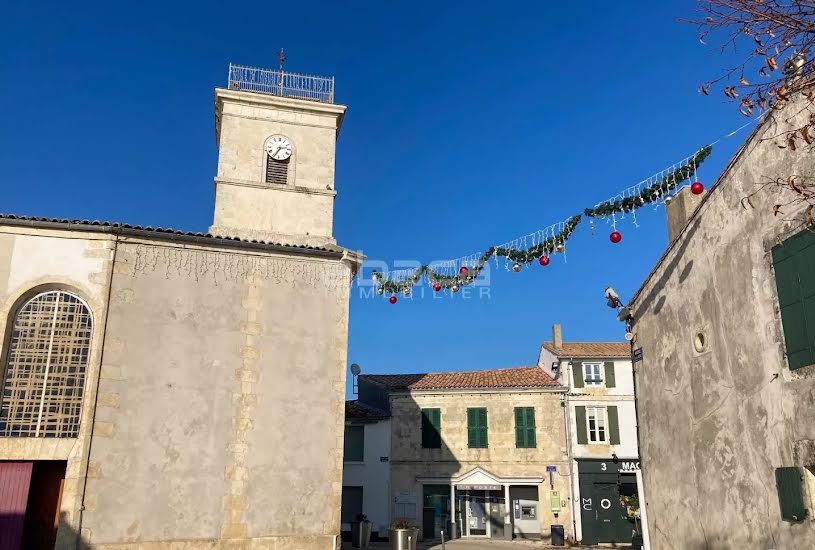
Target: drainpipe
(87, 458)
(646, 538)
(575, 509)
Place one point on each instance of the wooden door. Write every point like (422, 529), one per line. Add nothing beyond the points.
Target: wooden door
(15, 479)
(42, 517)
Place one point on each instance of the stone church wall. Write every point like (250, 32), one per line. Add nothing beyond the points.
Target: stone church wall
(221, 401)
(34, 261)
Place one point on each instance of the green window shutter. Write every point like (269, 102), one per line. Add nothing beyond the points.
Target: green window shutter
(789, 483)
(431, 428)
(794, 265)
(577, 373)
(525, 427)
(610, 380)
(613, 426)
(483, 428)
(580, 422)
(354, 448)
(436, 421)
(530, 427)
(520, 427)
(477, 428)
(472, 433)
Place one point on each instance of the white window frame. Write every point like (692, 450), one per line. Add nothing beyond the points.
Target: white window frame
(597, 413)
(597, 377)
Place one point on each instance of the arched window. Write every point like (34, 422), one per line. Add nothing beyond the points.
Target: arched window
(45, 371)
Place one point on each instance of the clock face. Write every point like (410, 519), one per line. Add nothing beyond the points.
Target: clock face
(278, 147)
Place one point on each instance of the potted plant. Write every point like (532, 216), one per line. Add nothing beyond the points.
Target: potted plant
(360, 532)
(403, 535)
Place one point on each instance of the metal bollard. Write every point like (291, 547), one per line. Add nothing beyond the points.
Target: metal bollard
(442, 540)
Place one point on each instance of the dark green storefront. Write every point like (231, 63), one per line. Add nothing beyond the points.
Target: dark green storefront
(604, 516)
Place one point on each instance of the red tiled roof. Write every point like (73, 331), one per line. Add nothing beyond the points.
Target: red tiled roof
(354, 410)
(519, 377)
(591, 349)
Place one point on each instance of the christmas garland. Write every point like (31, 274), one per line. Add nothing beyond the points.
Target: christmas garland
(467, 275)
(652, 192)
(556, 243)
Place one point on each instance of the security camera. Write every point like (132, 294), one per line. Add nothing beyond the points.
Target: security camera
(612, 299)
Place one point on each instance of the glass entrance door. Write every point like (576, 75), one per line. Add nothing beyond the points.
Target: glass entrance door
(477, 513)
(435, 510)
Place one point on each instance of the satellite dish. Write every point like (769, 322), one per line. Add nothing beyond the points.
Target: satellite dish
(355, 370)
(629, 336)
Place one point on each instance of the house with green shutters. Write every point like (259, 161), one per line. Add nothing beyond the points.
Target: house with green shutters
(601, 430)
(477, 454)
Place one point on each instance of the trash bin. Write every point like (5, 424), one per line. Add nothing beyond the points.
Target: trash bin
(558, 535)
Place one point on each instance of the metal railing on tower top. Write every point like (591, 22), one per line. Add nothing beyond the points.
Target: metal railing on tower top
(281, 83)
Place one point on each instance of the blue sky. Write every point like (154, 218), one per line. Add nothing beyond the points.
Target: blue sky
(468, 125)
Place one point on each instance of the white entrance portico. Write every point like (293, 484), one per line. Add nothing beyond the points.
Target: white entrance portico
(482, 505)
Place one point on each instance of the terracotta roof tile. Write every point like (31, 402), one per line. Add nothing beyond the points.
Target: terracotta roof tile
(519, 377)
(354, 410)
(591, 349)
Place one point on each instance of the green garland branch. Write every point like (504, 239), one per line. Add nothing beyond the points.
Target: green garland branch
(555, 243)
(653, 192)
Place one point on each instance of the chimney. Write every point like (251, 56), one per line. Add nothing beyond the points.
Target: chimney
(679, 211)
(557, 337)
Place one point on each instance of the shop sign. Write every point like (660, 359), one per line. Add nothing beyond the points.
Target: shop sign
(608, 466)
(479, 487)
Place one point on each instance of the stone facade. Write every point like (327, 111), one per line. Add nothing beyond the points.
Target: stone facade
(410, 463)
(214, 392)
(300, 212)
(202, 351)
(719, 409)
(36, 260)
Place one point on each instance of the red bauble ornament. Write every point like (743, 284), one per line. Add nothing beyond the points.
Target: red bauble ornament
(615, 237)
(543, 260)
(463, 270)
(437, 287)
(392, 299)
(697, 188)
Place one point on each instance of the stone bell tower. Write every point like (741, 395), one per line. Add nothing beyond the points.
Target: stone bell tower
(276, 134)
